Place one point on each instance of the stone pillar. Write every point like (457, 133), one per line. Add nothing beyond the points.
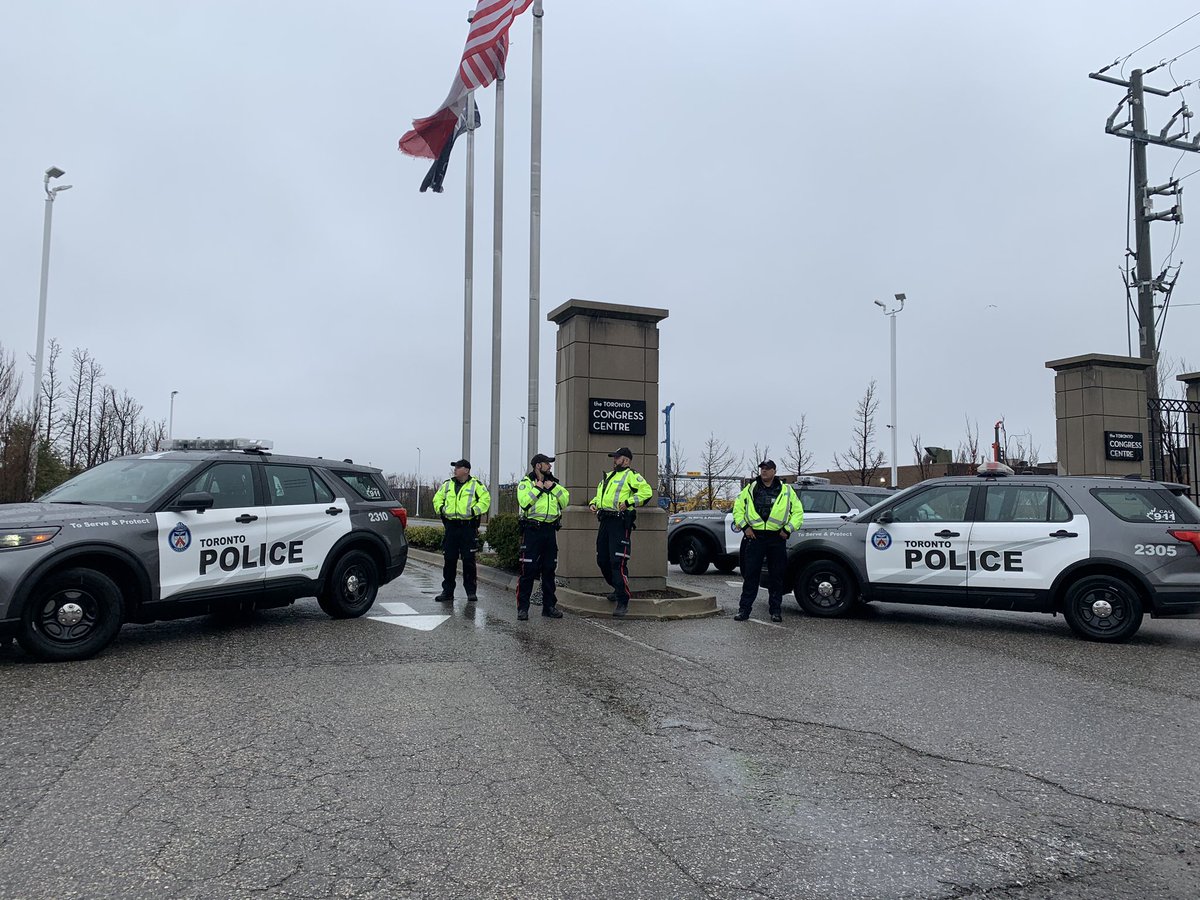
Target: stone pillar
(1192, 383)
(606, 351)
(1094, 394)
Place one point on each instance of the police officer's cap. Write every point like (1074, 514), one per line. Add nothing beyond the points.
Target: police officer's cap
(767, 464)
(461, 464)
(541, 458)
(622, 451)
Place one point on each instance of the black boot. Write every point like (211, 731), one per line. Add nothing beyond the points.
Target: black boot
(522, 615)
(620, 610)
(444, 598)
(551, 612)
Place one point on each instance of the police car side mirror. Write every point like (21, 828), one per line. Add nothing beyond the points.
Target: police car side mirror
(196, 501)
(885, 517)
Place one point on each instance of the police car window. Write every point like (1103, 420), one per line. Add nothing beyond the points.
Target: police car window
(820, 501)
(1023, 503)
(293, 485)
(120, 481)
(231, 485)
(1139, 505)
(365, 485)
(947, 503)
(868, 500)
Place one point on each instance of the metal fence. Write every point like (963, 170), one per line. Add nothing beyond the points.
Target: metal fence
(1175, 442)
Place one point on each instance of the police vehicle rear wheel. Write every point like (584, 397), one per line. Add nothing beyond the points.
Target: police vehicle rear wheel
(352, 586)
(693, 556)
(72, 614)
(1103, 608)
(824, 588)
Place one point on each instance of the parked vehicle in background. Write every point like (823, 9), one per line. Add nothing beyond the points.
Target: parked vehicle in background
(697, 539)
(1101, 551)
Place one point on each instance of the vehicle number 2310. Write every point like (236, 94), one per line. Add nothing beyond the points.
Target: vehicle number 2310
(1153, 550)
(383, 517)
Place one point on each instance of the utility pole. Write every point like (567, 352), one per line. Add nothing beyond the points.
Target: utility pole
(669, 480)
(1133, 128)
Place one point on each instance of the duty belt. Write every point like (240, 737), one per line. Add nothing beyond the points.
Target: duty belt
(611, 513)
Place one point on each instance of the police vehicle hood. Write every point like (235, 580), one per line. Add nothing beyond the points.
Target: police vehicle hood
(18, 515)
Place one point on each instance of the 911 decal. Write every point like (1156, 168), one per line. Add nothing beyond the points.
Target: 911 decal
(1153, 550)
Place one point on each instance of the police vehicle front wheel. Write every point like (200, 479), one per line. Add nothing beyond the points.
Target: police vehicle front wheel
(824, 588)
(72, 614)
(1103, 608)
(693, 556)
(352, 586)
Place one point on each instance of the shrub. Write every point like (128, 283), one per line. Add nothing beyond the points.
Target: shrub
(426, 537)
(504, 536)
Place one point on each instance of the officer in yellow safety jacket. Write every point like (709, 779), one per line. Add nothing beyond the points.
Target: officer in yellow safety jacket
(542, 501)
(766, 511)
(618, 495)
(460, 501)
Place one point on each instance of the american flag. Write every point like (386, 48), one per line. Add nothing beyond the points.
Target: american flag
(482, 61)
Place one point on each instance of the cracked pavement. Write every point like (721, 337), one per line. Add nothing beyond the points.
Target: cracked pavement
(905, 752)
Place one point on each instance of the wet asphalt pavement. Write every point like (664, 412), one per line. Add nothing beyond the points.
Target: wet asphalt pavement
(906, 752)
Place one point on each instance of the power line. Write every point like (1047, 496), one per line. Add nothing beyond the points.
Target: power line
(1125, 58)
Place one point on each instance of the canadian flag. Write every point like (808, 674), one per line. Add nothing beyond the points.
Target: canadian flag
(482, 61)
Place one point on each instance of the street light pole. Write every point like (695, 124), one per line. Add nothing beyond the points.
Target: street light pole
(51, 193)
(521, 443)
(891, 314)
(171, 418)
(418, 515)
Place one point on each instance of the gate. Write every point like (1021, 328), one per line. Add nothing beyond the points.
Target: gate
(1175, 442)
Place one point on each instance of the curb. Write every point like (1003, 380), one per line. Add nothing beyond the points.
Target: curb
(693, 606)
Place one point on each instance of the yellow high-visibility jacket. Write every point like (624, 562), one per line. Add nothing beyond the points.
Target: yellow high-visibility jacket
(621, 486)
(541, 506)
(786, 513)
(460, 502)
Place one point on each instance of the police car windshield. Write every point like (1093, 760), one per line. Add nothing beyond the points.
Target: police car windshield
(120, 482)
(1190, 509)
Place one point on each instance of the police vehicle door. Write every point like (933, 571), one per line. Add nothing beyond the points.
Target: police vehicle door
(304, 521)
(1023, 536)
(733, 536)
(219, 547)
(921, 547)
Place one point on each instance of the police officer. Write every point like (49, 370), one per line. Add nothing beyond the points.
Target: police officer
(618, 495)
(542, 500)
(767, 511)
(460, 501)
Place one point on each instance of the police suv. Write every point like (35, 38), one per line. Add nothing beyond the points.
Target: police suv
(203, 526)
(694, 539)
(1102, 551)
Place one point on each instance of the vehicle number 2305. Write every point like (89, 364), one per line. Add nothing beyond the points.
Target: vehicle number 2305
(1153, 550)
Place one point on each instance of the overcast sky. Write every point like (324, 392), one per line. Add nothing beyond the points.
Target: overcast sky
(243, 230)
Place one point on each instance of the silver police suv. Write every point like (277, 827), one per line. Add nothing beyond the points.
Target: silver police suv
(695, 539)
(189, 531)
(1101, 551)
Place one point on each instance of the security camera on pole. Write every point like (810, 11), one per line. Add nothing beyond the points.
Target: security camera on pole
(891, 314)
(51, 193)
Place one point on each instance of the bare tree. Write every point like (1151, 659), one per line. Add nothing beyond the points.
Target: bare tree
(861, 460)
(923, 460)
(51, 387)
(968, 449)
(759, 453)
(717, 463)
(796, 456)
(670, 487)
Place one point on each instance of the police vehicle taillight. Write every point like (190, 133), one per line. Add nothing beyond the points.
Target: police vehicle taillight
(993, 469)
(216, 444)
(402, 514)
(1187, 537)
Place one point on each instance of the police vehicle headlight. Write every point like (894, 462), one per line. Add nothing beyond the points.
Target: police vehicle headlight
(12, 538)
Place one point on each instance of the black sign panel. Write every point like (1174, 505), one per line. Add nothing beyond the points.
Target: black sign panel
(616, 416)
(1123, 445)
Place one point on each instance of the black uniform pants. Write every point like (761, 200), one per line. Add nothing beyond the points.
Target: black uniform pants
(460, 541)
(769, 546)
(613, 543)
(539, 557)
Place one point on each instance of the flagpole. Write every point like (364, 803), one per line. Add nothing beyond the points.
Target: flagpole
(497, 288)
(468, 275)
(535, 229)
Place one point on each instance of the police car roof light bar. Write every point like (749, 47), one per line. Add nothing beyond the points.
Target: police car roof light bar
(993, 469)
(218, 444)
